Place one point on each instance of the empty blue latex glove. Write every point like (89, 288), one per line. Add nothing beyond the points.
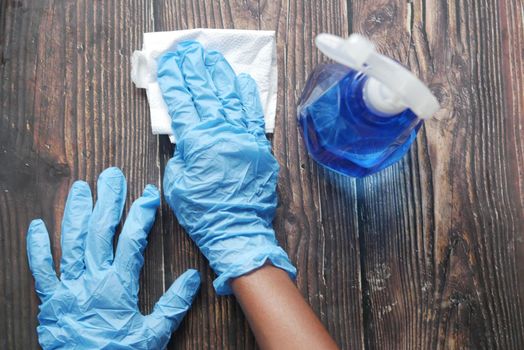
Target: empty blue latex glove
(221, 181)
(94, 304)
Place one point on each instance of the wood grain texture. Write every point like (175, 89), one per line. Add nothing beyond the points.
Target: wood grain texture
(442, 229)
(427, 254)
(68, 110)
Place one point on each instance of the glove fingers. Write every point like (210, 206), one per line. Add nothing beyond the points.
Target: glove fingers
(198, 81)
(176, 95)
(252, 106)
(77, 211)
(133, 239)
(225, 82)
(111, 195)
(174, 304)
(40, 259)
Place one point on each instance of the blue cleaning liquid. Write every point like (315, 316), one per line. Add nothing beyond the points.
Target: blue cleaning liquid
(342, 133)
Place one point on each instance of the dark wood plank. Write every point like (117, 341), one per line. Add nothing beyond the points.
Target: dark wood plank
(68, 110)
(427, 254)
(442, 230)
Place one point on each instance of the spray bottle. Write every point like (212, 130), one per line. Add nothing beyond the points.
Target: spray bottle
(361, 114)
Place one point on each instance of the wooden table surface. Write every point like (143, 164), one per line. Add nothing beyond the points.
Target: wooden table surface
(427, 254)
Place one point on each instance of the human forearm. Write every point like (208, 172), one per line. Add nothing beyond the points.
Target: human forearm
(277, 313)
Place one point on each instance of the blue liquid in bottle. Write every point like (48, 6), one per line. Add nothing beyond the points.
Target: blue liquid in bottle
(342, 133)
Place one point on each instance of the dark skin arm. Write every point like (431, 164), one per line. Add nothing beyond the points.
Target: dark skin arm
(277, 313)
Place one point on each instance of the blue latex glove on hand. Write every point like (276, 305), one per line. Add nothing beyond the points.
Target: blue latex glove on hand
(94, 304)
(221, 181)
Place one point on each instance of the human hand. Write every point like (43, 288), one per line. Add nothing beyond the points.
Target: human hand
(94, 305)
(221, 181)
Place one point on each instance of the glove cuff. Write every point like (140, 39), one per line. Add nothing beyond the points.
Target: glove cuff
(275, 256)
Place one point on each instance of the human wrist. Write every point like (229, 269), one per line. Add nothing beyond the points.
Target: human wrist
(239, 260)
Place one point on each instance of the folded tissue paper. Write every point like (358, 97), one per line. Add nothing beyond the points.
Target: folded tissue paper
(248, 51)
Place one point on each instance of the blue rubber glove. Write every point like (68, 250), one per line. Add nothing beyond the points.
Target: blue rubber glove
(94, 304)
(221, 181)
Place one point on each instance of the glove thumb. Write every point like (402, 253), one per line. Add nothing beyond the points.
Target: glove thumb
(173, 305)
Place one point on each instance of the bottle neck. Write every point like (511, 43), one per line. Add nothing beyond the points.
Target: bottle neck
(381, 100)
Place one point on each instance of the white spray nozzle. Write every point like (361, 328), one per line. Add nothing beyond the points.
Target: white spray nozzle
(403, 88)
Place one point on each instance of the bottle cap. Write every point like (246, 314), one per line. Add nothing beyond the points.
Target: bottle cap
(391, 87)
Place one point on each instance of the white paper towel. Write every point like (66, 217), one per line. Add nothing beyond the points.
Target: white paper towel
(248, 51)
